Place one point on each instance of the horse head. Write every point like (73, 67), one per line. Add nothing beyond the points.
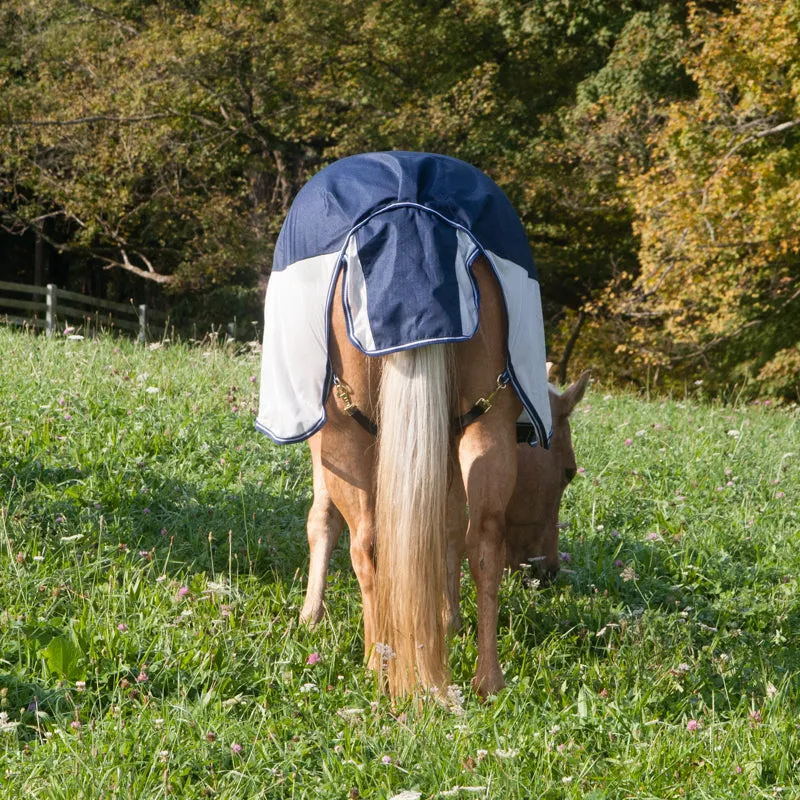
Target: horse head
(542, 476)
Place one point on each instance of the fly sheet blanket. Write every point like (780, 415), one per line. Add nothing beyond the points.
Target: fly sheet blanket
(406, 229)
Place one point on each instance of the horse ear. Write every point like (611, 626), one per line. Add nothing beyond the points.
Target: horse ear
(574, 394)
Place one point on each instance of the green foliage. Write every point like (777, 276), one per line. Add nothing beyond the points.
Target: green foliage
(717, 210)
(650, 148)
(201, 121)
(152, 553)
(63, 658)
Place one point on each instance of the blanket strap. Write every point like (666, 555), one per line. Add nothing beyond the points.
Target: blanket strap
(482, 405)
(343, 392)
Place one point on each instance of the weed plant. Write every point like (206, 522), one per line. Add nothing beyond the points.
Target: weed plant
(152, 559)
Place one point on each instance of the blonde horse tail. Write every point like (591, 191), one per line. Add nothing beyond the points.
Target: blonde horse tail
(411, 508)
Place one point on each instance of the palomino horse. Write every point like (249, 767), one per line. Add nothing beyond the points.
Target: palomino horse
(405, 282)
(396, 495)
(532, 524)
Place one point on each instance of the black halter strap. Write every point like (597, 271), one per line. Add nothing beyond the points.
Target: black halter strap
(482, 405)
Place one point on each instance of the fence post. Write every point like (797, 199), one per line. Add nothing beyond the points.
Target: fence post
(232, 329)
(51, 308)
(142, 324)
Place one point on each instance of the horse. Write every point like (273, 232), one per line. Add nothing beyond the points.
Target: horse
(532, 514)
(403, 325)
(416, 514)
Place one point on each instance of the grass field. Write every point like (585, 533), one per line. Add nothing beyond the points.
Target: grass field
(152, 557)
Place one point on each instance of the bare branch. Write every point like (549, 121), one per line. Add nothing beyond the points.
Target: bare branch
(149, 274)
(105, 15)
(784, 126)
(146, 261)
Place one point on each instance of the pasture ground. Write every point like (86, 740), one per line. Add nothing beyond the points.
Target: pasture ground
(152, 557)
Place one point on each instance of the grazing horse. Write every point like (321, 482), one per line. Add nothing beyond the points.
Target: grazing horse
(403, 323)
(532, 524)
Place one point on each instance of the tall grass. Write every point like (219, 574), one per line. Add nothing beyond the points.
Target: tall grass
(152, 551)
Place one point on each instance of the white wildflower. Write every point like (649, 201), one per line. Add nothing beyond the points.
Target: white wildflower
(5, 725)
(384, 651)
(455, 698)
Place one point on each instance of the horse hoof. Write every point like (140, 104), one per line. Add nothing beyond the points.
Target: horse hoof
(311, 618)
(489, 685)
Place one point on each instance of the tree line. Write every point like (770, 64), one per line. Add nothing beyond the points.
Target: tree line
(651, 147)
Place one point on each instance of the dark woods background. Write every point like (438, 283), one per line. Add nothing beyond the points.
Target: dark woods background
(150, 150)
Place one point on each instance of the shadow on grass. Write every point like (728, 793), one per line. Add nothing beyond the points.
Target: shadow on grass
(222, 527)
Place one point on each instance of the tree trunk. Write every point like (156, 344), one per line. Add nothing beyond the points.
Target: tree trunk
(570, 346)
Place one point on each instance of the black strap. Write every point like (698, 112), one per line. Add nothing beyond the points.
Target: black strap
(475, 413)
(526, 433)
(363, 420)
(525, 430)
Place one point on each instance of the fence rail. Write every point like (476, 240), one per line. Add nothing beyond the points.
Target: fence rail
(49, 311)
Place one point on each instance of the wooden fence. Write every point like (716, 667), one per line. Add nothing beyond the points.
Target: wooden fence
(49, 307)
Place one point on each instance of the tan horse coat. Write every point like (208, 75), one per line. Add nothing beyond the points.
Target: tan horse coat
(404, 497)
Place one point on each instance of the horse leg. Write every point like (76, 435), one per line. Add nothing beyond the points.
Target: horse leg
(324, 527)
(487, 455)
(348, 477)
(487, 452)
(349, 460)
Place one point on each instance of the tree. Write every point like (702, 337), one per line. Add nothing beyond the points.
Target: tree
(718, 210)
(169, 138)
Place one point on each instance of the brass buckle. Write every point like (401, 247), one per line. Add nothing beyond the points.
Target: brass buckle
(485, 403)
(343, 393)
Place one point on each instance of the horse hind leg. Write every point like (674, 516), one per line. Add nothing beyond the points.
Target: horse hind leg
(348, 458)
(488, 458)
(348, 466)
(488, 463)
(324, 527)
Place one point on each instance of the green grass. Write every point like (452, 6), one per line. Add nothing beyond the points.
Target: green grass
(152, 554)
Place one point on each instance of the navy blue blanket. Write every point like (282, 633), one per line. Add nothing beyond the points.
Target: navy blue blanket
(406, 228)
